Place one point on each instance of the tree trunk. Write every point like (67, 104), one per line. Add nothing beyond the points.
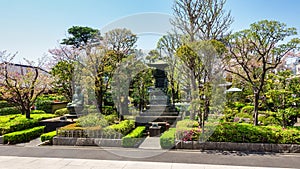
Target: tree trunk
(27, 114)
(255, 114)
(194, 98)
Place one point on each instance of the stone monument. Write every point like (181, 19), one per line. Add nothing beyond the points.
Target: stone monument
(77, 103)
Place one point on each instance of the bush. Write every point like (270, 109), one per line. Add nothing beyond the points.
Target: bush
(37, 112)
(133, 139)
(111, 118)
(187, 123)
(167, 139)
(9, 110)
(239, 105)
(24, 135)
(4, 104)
(45, 105)
(48, 136)
(247, 133)
(124, 127)
(12, 123)
(247, 109)
(61, 112)
(107, 110)
(92, 120)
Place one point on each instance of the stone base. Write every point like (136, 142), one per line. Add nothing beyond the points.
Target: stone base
(87, 142)
(245, 147)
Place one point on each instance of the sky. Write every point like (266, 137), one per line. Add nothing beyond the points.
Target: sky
(32, 27)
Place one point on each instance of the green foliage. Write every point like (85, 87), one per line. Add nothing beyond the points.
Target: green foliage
(108, 110)
(92, 120)
(247, 109)
(4, 104)
(167, 139)
(12, 123)
(187, 123)
(48, 136)
(24, 135)
(9, 110)
(133, 139)
(229, 114)
(63, 75)
(247, 133)
(124, 127)
(243, 115)
(44, 102)
(37, 112)
(80, 36)
(61, 112)
(111, 119)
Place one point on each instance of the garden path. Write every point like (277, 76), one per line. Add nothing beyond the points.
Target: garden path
(151, 143)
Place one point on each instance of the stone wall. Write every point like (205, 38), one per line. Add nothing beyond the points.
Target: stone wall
(246, 147)
(87, 142)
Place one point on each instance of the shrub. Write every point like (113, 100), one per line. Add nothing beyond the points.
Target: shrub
(247, 133)
(167, 139)
(9, 110)
(187, 123)
(111, 118)
(107, 110)
(4, 104)
(92, 120)
(12, 123)
(61, 112)
(247, 109)
(24, 135)
(124, 127)
(48, 136)
(133, 139)
(45, 105)
(239, 105)
(37, 112)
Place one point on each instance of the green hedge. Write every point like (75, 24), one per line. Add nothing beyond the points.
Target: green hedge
(4, 104)
(37, 112)
(9, 110)
(48, 136)
(24, 135)
(124, 127)
(247, 133)
(45, 105)
(12, 123)
(247, 109)
(134, 138)
(167, 139)
(61, 112)
(187, 123)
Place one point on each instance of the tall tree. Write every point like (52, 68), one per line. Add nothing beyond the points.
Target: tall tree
(201, 19)
(21, 84)
(63, 83)
(256, 51)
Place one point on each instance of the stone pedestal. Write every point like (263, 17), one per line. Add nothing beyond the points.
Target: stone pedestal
(154, 131)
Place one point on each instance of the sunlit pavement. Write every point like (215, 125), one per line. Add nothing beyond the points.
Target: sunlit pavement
(11, 162)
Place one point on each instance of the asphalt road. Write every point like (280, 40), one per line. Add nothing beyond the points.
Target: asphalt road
(171, 156)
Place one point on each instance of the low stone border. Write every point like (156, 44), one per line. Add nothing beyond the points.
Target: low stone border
(1, 140)
(248, 147)
(87, 142)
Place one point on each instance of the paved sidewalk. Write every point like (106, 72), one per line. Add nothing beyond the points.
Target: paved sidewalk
(12, 162)
(151, 143)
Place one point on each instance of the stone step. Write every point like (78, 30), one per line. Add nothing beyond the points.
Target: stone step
(144, 120)
(159, 114)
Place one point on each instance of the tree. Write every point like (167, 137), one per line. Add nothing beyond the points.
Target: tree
(81, 36)
(21, 84)
(201, 19)
(153, 56)
(63, 83)
(256, 51)
(169, 44)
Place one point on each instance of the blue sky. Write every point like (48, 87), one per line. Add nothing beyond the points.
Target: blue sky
(31, 27)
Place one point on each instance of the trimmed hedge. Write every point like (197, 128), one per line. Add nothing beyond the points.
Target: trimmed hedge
(61, 112)
(167, 139)
(9, 111)
(4, 104)
(45, 105)
(187, 123)
(37, 112)
(48, 136)
(247, 109)
(124, 127)
(247, 133)
(24, 135)
(134, 138)
(12, 123)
